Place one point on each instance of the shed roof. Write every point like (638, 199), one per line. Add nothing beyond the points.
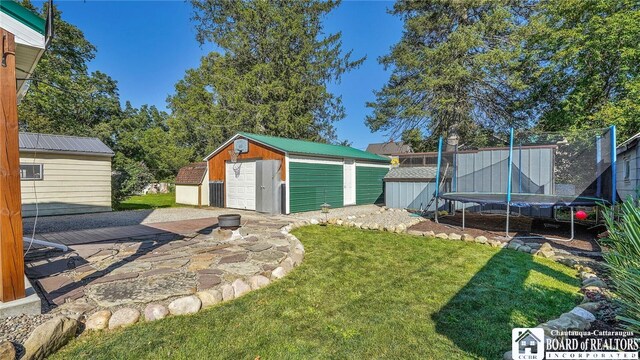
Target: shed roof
(628, 144)
(63, 144)
(411, 173)
(293, 146)
(389, 148)
(192, 174)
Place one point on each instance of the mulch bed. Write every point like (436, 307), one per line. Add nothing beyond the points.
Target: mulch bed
(493, 226)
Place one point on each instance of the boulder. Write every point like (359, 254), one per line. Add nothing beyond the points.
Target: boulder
(153, 312)
(240, 288)
(123, 318)
(185, 305)
(415, 233)
(454, 236)
(98, 320)
(525, 248)
(278, 273)
(209, 297)
(517, 241)
(442, 236)
(258, 281)
(590, 306)
(545, 253)
(594, 281)
(480, 239)
(374, 226)
(400, 228)
(546, 247)
(587, 275)
(7, 350)
(429, 233)
(533, 245)
(49, 337)
(467, 237)
(227, 292)
(390, 228)
(339, 222)
(314, 222)
(584, 314)
(514, 245)
(287, 264)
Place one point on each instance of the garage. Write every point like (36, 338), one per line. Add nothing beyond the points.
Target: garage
(278, 175)
(240, 178)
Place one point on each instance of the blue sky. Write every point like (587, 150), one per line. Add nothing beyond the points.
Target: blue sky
(146, 46)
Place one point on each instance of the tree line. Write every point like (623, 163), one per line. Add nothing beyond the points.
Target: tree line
(468, 67)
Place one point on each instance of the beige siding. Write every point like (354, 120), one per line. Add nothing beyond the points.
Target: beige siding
(187, 194)
(71, 184)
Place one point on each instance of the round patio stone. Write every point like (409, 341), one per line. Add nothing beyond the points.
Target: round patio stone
(209, 297)
(227, 292)
(155, 312)
(98, 320)
(123, 318)
(278, 273)
(185, 305)
(240, 288)
(258, 281)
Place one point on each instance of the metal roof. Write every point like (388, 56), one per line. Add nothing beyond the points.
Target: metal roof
(411, 173)
(293, 146)
(23, 15)
(63, 144)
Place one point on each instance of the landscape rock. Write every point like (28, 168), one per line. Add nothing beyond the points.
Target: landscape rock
(545, 253)
(429, 233)
(514, 245)
(7, 350)
(240, 288)
(227, 292)
(153, 312)
(586, 315)
(524, 248)
(546, 247)
(594, 281)
(517, 241)
(480, 239)
(508, 356)
(591, 307)
(339, 222)
(415, 233)
(297, 256)
(400, 228)
(454, 236)
(49, 337)
(278, 273)
(467, 237)
(314, 222)
(123, 318)
(258, 281)
(442, 236)
(185, 305)
(209, 297)
(587, 275)
(98, 320)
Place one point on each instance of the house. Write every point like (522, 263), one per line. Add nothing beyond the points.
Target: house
(280, 175)
(389, 148)
(527, 343)
(628, 168)
(192, 185)
(62, 175)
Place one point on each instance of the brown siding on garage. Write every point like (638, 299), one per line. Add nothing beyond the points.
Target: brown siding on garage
(256, 152)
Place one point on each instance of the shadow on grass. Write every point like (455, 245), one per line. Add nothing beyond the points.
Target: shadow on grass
(491, 303)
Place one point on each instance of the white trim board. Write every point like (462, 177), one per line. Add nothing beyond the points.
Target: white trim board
(24, 34)
(315, 160)
(385, 166)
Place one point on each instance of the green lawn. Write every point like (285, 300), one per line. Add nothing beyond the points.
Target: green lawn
(149, 201)
(362, 295)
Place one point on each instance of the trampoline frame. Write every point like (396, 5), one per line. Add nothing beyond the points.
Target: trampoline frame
(553, 205)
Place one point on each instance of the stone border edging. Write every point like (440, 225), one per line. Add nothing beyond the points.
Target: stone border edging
(50, 336)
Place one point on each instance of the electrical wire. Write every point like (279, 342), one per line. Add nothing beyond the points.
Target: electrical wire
(35, 194)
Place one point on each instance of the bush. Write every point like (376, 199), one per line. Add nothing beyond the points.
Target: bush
(623, 261)
(128, 178)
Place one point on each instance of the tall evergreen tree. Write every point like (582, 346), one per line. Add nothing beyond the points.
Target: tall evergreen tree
(270, 77)
(455, 69)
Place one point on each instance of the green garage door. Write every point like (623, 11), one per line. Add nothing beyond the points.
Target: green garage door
(369, 185)
(310, 185)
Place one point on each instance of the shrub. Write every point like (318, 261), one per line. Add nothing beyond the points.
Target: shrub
(623, 261)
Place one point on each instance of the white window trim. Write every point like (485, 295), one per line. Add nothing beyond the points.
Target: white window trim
(33, 179)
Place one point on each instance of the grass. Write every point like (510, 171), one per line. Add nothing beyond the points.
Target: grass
(361, 295)
(149, 201)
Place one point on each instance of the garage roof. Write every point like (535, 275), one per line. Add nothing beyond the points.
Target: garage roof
(192, 174)
(293, 146)
(63, 144)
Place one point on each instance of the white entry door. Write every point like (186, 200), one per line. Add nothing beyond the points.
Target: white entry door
(240, 185)
(349, 182)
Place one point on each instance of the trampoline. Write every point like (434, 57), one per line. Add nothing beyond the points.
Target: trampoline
(541, 170)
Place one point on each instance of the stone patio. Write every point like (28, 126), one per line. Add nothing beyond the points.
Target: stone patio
(158, 264)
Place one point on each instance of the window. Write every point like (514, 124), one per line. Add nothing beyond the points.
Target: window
(523, 343)
(532, 343)
(627, 169)
(30, 171)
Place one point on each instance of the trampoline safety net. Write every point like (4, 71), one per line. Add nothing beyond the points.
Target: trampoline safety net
(534, 169)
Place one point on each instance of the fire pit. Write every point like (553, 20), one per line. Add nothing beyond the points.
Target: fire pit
(229, 221)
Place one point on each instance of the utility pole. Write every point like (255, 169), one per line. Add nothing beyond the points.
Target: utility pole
(12, 285)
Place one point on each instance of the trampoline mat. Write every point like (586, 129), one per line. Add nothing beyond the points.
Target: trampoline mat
(523, 200)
